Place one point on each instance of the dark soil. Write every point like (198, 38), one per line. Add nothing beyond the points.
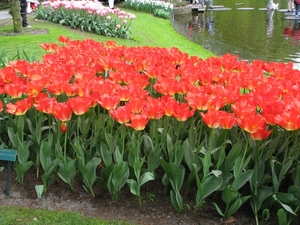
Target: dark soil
(156, 207)
(26, 30)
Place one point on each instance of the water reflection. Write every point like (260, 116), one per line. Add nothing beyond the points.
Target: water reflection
(296, 32)
(252, 34)
(288, 30)
(270, 22)
(210, 23)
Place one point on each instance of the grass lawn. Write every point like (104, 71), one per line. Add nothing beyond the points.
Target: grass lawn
(147, 30)
(12, 215)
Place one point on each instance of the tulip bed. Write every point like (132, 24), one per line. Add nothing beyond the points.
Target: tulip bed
(117, 115)
(158, 8)
(88, 16)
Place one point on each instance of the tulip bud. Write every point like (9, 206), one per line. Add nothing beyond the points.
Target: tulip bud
(63, 127)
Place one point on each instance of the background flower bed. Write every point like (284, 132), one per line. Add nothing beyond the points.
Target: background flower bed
(89, 16)
(158, 8)
(67, 106)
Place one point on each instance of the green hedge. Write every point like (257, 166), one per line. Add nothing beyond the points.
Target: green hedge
(4, 5)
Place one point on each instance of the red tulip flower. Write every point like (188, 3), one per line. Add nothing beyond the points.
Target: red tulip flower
(154, 109)
(136, 104)
(63, 39)
(125, 92)
(272, 110)
(63, 127)
(261, 134)
(50, 48)
(243, 108)
(182, 112)
(45, 104)
(198, 101)
(138, 121)
(215, 118)
(168, 105)
(109, 101)
(252, 123)
(14, 90)
(122, 114)
(20, 107)
(289, 120)
(62, 111)
(80, 105)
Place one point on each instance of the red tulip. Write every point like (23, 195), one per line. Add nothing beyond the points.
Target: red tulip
(261, 134)
(121, 114)
(182, 112)
(20, 107)
(63, 127)
(20, 67)
(50, 48)
(109, 101)
(34, 87)
(243, 107)
(166, 86)
(154, 109)
(252, 123)
(80, 105)
(63, 39)
(14, 90)
(7, 75)
(45, 104)
(125, 92)
(271, 110)
(215, 118)
(62, 111)
(198, 101)
(138, 121)
(168, 105)
(289, 120)
(136, 105)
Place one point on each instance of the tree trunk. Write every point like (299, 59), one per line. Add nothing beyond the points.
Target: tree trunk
(16, 15)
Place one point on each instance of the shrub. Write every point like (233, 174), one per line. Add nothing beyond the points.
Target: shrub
(4, 5)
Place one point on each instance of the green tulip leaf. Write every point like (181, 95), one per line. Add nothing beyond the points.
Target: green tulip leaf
(147, 176)
(241, 180)
(282, 219)
(218, 209)
(229, 195)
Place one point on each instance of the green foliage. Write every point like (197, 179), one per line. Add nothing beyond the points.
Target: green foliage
(49, 163)
(39, 189)
(118, 177)
(86, 167)
(233, 201)
(4, 5)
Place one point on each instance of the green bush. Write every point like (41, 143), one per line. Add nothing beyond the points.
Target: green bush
(4, 5)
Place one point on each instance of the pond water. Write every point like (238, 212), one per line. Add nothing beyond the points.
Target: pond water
(251, 34)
